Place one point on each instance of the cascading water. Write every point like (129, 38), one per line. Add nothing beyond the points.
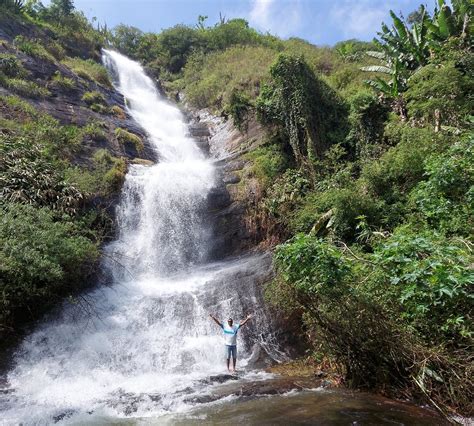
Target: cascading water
(148, 343)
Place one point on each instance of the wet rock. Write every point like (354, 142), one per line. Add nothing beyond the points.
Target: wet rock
(201, 399)
(260, 358)
(221, 378)
(320, 374)
(229, 201)
(275, 386)
(128, 403)
(231, 178)
(142, 162)
(64, 415)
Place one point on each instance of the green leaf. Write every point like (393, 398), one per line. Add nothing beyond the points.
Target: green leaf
(378, 68)
(399, 26)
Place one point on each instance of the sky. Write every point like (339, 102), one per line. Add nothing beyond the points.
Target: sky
(322, 22)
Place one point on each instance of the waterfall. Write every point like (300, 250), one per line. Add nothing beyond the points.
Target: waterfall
(161, 218)
(145, 343)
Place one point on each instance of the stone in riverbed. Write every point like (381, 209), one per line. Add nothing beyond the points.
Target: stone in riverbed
(142, 162)
(221, 378)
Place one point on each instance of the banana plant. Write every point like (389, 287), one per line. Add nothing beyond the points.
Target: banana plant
(392, 88)
(410, 46)
(448, 23)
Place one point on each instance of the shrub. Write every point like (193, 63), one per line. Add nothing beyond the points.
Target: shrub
(367, 118)
(239, 107)
(306, 108)
(32, 47)
(127, 138)
(348, 205)
(318, 278)
(63, 82)
(286, 192)
(441, 90)
(88, 69)
(95, 131)
(14, 6)
(27, 177)
(429, 276)
(111, 171)
(25, 88)
(313, 266)
(401, 167)
(10, 66)
(268, 162)
(41, 259)
(118, 112)
(94, 97)
(381, 316)
(18, 108)
(56, 50)
(446, 198)
(210, 80)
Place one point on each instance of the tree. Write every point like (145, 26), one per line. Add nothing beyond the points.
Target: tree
(305, 106)
(127, 38)
(61, 8)
(177, 43)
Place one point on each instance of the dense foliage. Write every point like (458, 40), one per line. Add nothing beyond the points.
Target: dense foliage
(366, 179)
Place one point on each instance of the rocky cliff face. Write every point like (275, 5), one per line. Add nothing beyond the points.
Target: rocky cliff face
(236, 191)
(232, 207)
(66, 103)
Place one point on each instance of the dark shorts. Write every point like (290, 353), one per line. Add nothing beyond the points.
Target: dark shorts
(231, 351)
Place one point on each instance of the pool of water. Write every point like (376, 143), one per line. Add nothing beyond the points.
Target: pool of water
(317, 407)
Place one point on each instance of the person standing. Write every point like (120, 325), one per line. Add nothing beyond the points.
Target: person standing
(230, 338)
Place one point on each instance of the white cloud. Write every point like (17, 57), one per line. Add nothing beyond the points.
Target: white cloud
(278, 17)
(358, 19)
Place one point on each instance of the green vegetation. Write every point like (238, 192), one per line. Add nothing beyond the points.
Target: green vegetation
(50, 234)
(41, 259)
(365, 177)
(24, 87)
(96, 102)
(268, 161)
(88, 69)
(305, 107)
(62, 82)
(14, 76)
(212, 80)
(32, 47)
(55, 183)
(127, 138)
(118, 112)
(10, 66)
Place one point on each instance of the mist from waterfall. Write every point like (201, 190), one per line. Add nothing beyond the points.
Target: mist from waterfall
(144, 343)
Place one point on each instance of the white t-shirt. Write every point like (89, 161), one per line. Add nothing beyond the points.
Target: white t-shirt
(230, 334)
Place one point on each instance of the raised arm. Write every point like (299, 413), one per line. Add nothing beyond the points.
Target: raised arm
(245, 320)
(219, 323)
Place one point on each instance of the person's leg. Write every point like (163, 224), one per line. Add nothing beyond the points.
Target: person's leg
(234, 356)
(227, 354)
